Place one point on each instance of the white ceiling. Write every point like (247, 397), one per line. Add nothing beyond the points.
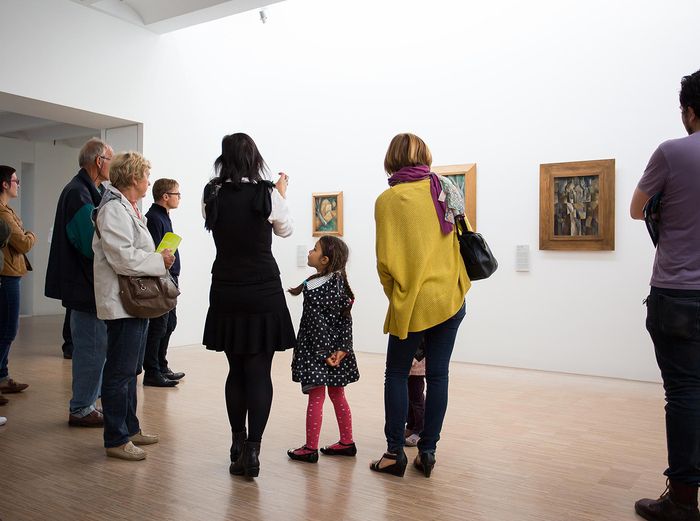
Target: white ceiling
(35, 120)
(162, 16)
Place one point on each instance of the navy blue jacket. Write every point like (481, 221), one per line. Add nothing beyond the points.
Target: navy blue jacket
(159, 223)
(69, 275)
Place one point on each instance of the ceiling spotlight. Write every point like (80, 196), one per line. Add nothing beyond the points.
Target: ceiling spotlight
(263, 15)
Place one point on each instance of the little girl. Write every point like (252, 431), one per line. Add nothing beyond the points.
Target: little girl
(323, 356)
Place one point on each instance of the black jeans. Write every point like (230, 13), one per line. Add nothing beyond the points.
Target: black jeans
(159, 331)
(673, 321)
(439, 341)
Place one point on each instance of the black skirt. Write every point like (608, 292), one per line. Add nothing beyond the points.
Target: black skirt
(248, 318)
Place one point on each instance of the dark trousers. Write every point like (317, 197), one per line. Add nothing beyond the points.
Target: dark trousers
(416, 403)
(67, 338)
(126, 342)
(439, 342)
(249, 393)
(159, 331)
(673, 321)
(9, 318)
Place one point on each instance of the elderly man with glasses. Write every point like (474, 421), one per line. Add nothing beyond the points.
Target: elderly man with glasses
(69, 277)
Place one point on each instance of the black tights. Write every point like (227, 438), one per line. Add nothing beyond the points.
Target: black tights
(249, 393)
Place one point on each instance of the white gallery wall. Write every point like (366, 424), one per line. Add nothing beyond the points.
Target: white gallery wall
(324, 85)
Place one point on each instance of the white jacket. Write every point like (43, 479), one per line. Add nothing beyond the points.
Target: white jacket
(123, 247)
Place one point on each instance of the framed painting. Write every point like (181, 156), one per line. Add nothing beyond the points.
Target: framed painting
(326, 213)
(577, 205)
(464, 176)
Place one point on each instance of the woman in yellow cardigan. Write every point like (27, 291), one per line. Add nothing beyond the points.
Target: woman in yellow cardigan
(424, 278)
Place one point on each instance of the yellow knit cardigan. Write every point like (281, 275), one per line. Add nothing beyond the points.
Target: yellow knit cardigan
(420, 268)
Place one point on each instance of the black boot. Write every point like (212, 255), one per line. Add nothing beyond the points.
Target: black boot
(248, 463)
(679, 502)
(238, 438)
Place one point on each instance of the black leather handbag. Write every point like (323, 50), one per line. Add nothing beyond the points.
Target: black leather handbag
(476, 254)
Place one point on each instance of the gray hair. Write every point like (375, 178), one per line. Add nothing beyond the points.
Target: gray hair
(91, 150)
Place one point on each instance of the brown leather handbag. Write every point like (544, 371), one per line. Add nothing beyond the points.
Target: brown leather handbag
(147, 297)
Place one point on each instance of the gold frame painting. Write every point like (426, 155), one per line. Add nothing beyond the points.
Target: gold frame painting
(327, 213)
(464, 176)
(577, 205)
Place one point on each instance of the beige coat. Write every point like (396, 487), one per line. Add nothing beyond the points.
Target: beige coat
(19, 243)
(124, 247)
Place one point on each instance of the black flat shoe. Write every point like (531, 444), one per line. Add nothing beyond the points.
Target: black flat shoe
(397, 469)
(347, 450)
(170, 375)
(158, 380)
(425, 461)
(308, 457)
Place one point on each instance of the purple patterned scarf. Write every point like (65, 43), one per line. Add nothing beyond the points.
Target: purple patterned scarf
(408, 174)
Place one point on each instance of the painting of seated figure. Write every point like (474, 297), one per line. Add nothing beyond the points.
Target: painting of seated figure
(327, 213)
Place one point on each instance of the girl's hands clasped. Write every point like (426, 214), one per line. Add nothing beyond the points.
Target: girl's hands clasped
(335, 359)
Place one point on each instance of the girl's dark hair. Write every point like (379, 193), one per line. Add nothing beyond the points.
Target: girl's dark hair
(239, 158)
(337, 252)
(5, 176)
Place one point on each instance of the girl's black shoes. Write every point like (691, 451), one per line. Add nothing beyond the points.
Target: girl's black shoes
(309, 455)
(248, 463)
(425, 461)
(340, 449)
(238, 438)
(398, 468)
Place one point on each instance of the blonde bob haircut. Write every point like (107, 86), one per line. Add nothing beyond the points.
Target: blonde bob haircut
(406, 150)
(126, 168)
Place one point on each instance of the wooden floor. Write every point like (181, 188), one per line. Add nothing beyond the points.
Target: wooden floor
(517, 445)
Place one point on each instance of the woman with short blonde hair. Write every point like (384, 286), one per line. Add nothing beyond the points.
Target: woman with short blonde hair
(123, 246)
(126, 168)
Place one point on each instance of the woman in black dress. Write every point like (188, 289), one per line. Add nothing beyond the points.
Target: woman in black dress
(248, 317)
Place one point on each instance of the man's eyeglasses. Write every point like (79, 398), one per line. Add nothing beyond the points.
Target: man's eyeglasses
(105, 158)
(14, 181)
(174, 193)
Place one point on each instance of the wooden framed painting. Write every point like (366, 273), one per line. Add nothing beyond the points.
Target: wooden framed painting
(577, 205)
(464, 176)
(326, 213)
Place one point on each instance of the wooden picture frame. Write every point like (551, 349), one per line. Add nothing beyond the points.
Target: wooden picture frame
(577, 205)
(464, 176)
(327, 213)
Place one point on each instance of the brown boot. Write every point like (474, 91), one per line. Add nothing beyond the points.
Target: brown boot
(679, 502)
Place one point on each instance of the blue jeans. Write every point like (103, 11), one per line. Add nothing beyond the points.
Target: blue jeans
(89, 352)
(673, 321)
(9, 318)
(126, 343)
(439, 342)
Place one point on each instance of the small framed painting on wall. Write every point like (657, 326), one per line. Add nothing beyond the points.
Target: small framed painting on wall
(326, 213)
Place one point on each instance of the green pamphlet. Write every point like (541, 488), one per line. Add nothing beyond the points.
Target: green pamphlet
(170, 242)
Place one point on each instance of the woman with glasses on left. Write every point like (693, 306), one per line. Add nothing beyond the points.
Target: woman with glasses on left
(15, 266)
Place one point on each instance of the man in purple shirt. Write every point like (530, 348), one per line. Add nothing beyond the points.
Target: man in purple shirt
(673, 305)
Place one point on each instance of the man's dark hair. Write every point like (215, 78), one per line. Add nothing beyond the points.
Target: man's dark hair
(5, 176)
(690, 92)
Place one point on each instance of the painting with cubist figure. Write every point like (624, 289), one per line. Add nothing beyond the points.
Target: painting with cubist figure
(576, 205)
